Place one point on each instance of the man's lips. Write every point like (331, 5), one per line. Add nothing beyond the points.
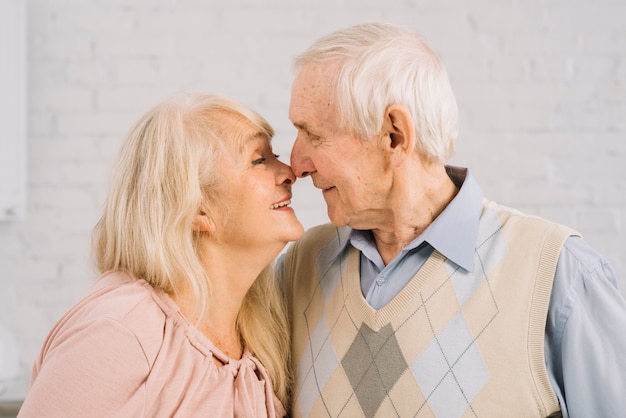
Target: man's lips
(322, 187)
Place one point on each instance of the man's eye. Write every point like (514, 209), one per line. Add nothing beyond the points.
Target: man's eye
(259, 161)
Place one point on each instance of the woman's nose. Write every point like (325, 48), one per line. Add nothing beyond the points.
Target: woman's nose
(286, 175)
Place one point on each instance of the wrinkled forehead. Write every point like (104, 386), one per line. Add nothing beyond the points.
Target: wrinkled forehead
(313, 82)
(312, 94)
(237, 131)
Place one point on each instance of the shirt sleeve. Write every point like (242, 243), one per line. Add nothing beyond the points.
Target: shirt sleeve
(97, 371)
(585, 342)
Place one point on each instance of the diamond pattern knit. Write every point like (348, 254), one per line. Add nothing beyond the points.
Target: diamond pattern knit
(452, 343)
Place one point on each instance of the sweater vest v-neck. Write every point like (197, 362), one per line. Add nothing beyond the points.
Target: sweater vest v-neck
(452, 343)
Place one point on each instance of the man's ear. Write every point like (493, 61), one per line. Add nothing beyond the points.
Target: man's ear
(202, 223)
(399, 132)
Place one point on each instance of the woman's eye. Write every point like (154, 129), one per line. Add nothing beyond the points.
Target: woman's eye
(263, 160)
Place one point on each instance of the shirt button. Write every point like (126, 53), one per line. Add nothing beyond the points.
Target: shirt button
(381, 280)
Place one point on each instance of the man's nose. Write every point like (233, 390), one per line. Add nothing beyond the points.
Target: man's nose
(301, 163)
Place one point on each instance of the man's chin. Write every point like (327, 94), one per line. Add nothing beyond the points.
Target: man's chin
(336, 218)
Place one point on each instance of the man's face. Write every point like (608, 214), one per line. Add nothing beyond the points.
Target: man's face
(353, 173)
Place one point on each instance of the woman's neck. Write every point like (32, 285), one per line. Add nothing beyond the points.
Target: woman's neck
(229, 279)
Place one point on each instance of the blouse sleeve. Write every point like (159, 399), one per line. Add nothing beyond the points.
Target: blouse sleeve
(94, 371)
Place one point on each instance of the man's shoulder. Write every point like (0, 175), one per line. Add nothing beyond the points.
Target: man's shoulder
(321, 243)
(515, 217)
(318, 236)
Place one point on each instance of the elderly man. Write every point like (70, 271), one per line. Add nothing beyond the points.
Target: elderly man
(423, 297)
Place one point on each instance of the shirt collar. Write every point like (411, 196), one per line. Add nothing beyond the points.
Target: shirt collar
(453, 233)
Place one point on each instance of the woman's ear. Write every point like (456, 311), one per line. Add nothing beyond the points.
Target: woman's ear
(399, 133)
(202, 223)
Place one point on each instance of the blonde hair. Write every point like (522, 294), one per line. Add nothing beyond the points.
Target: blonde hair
(375, 65)
(165, 175)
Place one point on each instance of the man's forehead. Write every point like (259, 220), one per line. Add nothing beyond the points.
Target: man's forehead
(310, 94)
(312, 79)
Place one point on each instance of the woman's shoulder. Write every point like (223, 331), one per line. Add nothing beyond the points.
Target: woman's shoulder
(131, 303)
(121, 296)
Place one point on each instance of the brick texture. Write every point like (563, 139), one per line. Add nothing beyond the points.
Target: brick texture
(541, 87)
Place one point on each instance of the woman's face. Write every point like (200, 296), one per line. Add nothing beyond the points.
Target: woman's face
(256, 193)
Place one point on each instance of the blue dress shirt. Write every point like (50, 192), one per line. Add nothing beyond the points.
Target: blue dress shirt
(585, 340)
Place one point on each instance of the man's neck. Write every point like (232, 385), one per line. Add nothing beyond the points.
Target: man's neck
(411, 211)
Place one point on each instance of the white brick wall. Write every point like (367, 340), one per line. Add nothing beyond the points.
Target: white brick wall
(541, 87)
(12, 111)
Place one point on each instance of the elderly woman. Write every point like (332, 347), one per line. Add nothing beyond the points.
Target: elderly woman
(187, 318)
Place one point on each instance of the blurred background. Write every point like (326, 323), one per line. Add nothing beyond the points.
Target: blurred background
(540, 84)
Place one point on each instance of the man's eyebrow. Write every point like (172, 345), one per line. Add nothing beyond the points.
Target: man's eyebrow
(302, 125)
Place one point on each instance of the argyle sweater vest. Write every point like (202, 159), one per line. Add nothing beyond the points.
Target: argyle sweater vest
(451, 343)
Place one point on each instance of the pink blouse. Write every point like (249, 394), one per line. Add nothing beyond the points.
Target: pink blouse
(125, 350)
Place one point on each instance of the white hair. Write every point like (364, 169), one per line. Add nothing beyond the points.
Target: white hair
(376, 65)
